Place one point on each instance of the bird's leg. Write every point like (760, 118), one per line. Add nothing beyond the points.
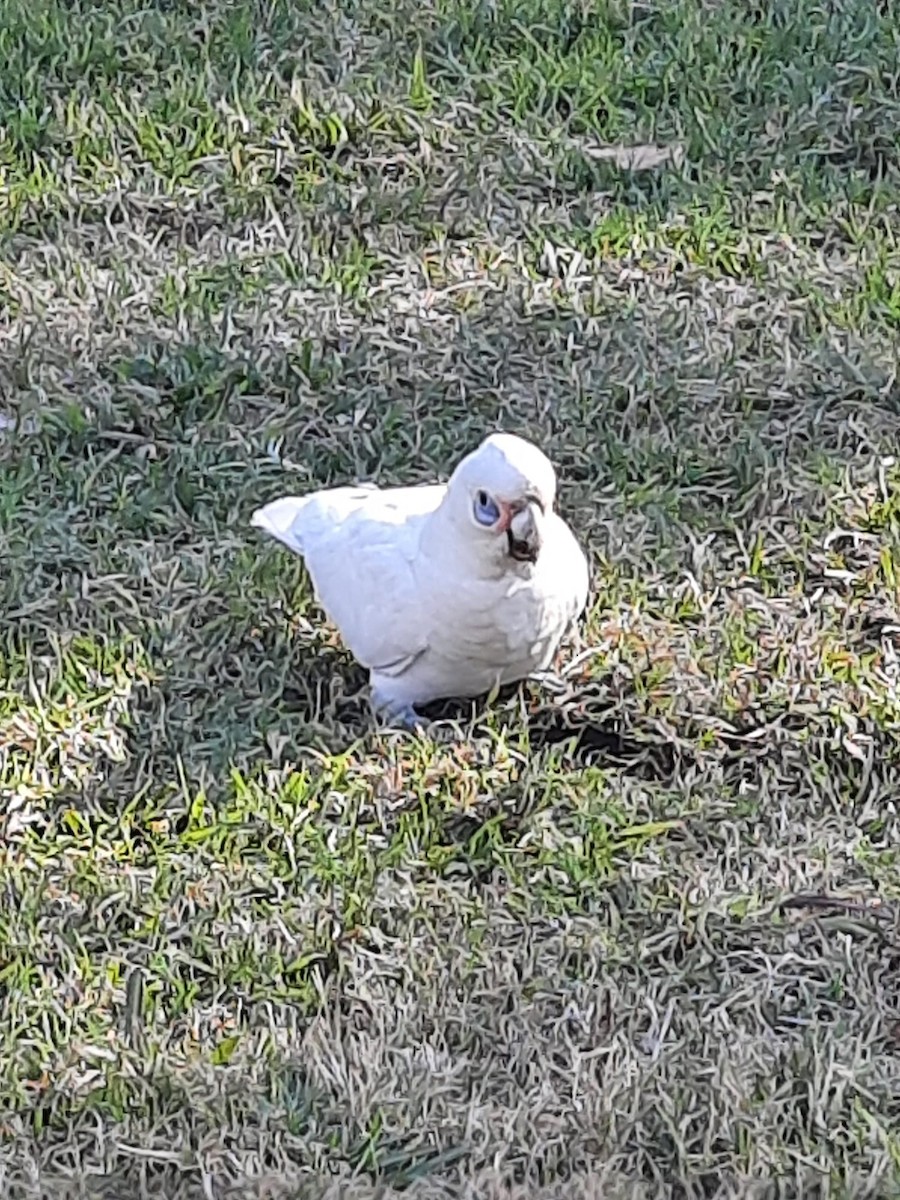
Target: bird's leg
(398, 713)
(404, 716)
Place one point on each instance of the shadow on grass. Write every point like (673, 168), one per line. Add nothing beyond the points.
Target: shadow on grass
(155, 544)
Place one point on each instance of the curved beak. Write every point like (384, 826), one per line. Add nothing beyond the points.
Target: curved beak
(523, 530)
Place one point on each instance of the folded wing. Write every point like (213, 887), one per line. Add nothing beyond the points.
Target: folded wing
(359, 545)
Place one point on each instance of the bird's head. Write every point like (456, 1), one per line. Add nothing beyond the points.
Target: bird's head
(499, 497)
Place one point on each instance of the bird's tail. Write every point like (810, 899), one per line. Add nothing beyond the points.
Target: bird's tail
(279, 519)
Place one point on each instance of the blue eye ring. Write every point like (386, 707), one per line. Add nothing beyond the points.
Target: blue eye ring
(485, 510)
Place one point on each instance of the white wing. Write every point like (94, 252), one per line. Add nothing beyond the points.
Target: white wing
(572, 566)
(360, 545)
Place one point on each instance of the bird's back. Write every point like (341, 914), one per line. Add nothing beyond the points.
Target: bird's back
(359, 545)
(567, 566)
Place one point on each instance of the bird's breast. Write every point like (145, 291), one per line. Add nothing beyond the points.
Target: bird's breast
(497, 624)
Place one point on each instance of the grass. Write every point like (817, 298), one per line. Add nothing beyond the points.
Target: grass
(637, 940)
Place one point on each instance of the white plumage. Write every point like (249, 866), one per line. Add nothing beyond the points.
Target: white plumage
(442, 590)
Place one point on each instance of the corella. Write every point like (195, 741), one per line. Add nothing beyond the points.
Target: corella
(442, 590)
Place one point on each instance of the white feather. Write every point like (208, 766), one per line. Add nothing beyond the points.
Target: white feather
(433, 606)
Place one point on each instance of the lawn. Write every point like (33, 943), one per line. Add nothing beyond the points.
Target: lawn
(637, 937)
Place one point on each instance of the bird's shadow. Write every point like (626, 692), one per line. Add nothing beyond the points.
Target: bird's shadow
(517, 709)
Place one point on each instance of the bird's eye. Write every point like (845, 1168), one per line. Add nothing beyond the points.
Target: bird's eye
(486, 510)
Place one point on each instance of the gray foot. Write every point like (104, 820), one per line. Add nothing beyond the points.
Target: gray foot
(398, 716)
(406, 718)
(392, 715)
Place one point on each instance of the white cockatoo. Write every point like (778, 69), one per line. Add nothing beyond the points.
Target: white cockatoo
(442, 590)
